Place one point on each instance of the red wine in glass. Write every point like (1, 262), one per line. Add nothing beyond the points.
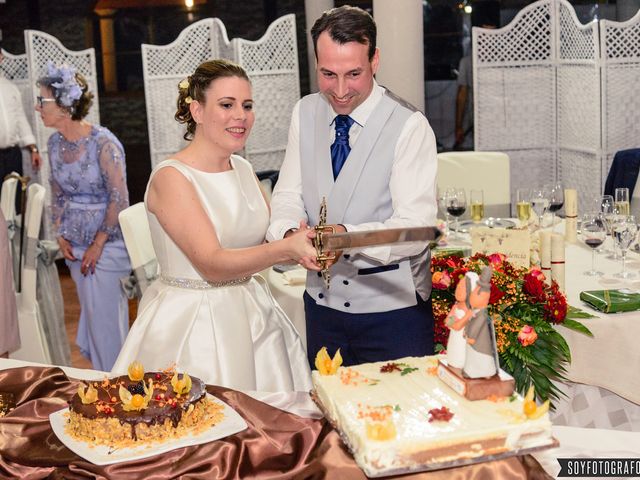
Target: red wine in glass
(594, 242)
(555, 206)
(456, 211)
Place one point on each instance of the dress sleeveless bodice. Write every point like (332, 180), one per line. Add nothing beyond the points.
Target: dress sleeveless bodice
(234, 203)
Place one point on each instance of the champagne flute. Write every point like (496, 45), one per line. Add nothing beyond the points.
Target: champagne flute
(523, 205)
(539, 202)
(476, 199)
(556, 200)
(625, 232)
(456, 205)
(593, 231)
(622, 201)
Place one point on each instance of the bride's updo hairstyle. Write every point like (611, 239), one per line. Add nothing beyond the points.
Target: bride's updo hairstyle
(194, 87)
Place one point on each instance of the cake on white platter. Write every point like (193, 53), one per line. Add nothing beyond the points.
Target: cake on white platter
(400, 417)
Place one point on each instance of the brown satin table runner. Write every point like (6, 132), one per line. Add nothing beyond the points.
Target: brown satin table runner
(277, 444)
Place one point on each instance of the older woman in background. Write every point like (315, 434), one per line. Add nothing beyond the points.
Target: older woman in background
(89, 189)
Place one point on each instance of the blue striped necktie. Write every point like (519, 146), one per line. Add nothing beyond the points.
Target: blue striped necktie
(340, 148)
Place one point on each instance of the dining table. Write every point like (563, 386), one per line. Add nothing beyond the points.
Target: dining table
(602, 387)
(286, 437)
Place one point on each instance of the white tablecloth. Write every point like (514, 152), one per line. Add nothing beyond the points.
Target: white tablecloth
(606, 366)
(574, 442)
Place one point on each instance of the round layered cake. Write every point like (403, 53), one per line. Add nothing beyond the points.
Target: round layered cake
(152, 407)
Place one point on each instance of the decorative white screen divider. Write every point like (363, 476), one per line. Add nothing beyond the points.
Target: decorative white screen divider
(41, 48)
(272, 65)
(548, 97)
(164, 67)
(16, 69)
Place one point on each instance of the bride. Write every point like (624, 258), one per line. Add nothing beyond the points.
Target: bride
(208, 313)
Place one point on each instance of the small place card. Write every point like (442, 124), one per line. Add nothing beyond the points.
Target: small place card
(515, 244)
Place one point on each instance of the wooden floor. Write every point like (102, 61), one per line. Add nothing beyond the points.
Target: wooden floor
(72, 315)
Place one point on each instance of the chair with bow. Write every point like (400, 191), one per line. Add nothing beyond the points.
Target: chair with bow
(137, 238)
(34, 346)
(488, 171)
(8, 207)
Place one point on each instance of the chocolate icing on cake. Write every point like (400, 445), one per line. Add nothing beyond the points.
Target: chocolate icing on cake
(159, 408)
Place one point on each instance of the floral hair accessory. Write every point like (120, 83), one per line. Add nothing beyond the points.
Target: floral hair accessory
(67, 90)
(184, 84)
(188, 100)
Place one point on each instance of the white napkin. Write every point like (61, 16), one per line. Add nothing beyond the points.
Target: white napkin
(557, 259)
(545, 255)
(571, 213)
(297, 276)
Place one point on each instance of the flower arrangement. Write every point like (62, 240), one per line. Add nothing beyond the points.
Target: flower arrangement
(66, 87)
(524, 310)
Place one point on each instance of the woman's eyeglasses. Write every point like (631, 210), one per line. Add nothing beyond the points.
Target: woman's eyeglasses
(42, 100)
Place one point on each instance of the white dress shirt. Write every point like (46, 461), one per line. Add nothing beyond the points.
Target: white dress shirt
(412, 184)
(14, 127)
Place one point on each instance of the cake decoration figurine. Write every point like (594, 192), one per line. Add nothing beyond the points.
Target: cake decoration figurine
(471, 366)
(458, 318)
(481, 358)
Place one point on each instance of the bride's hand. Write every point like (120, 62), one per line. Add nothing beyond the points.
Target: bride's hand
(302, 247)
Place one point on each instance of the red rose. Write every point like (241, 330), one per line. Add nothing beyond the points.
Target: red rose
(496, 294)
(534, 287)
(457, 275)
(527, 336)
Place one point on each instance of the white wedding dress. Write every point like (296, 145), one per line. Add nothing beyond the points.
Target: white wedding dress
(234, 335)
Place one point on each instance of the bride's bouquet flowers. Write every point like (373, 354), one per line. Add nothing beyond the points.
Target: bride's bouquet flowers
(524, 309)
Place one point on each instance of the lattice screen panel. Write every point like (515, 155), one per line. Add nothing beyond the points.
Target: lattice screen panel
(272, 65)
(529, 168)
(583, 106)
(163, 68)
(515, 109)
(41, 48)
(580, 170)
(620, 44)
(16, 69)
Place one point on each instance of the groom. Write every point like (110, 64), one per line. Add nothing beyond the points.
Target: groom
(373, 157)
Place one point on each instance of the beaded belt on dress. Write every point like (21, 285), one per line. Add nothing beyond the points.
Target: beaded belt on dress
(195, 284)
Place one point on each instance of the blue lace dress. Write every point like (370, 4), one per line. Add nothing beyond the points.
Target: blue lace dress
(89, 189)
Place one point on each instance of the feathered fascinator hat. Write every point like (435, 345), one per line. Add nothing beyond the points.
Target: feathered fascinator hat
(64, 84)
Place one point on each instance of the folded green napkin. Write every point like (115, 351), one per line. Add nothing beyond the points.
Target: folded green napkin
(612, 301)
(446, 251)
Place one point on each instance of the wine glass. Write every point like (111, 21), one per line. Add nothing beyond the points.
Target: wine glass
(476, 200)
(556, 200)
(593, 231)
(625, 232)
(622, 201)
(442, 204)
(523, 205)
(539, 202)
(456, 205)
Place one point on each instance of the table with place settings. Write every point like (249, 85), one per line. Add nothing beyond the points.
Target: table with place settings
(603, 388)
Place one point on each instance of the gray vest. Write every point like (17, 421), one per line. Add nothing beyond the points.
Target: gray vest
(358, 195)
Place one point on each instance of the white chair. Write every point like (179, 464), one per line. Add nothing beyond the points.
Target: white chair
(8, 198)
(33, 347)
(488, 171)
(8, 207)
(137, 238)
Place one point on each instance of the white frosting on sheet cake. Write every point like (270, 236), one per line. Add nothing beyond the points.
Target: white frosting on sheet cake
(364, 403)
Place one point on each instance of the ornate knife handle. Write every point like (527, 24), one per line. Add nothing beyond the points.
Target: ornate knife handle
(323, 257)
